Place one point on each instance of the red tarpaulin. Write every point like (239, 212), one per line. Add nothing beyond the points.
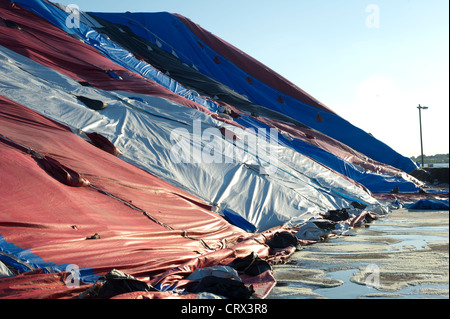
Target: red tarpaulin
(48, 45)
(138, 223)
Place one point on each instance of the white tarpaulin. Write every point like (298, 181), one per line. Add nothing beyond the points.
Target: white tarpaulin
(185, 147)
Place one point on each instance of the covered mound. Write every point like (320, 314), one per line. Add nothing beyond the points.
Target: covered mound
(143, 157)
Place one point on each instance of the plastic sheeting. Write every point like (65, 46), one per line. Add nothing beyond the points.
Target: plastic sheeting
(321, 148)
(70, 199)
(142, 225)
(53, 47)
(122, 57)
(372, 180)
(142, 131)
(170, 64)
(220, 61)
(375, 176)
(85, 33)
(430, 204)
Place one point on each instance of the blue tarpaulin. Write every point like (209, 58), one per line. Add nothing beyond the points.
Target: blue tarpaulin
(430, 204)
(169, 32)
(145, 27)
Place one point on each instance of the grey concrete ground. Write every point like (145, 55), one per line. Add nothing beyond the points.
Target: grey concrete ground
(403, 255)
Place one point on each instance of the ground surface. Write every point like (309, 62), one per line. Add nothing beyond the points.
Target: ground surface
(403, 255)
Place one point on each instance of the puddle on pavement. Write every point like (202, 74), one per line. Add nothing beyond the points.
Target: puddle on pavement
(412, 237)
(415, 241)
(348, 290)
(389, 228)
(351, 290)
(421, 242)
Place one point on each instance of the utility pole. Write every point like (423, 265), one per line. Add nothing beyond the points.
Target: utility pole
(421, 138)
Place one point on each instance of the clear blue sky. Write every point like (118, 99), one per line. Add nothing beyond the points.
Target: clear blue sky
(373, 65)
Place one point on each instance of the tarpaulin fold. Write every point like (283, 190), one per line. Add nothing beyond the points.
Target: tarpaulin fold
(323, 149)
(176, 33)
(143, 129)
(121, 149)
(45, 224)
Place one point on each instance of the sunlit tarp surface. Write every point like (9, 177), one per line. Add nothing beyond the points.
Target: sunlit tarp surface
(109, 134)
